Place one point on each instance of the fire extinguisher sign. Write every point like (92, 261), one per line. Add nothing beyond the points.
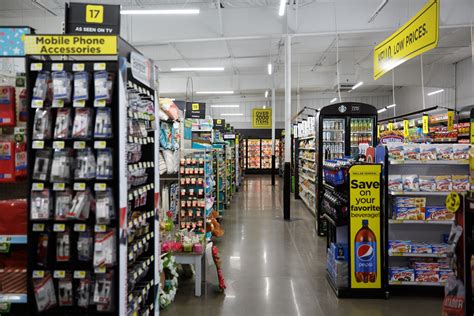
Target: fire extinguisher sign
(365, 226)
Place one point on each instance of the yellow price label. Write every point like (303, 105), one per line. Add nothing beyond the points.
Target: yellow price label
(57, 67)
(59, 274)
(59, 186)
(195, 106)
(450, 121)
(390, 126)
(378, 131)
(94, 13)
(79, 274)
(78, 67)
(453, 202)
(219, 121)
(471, 129)
(425, 124)
(406, 127)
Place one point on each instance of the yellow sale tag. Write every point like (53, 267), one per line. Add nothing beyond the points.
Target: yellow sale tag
(390, 126)
(405, 128)
(425, 123)
(57, 67)
(78, 67)
(94, 13)
(450, 121)
(453, 201)
(472, 131)
(378, 131)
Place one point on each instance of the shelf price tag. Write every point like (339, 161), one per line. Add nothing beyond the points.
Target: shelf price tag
(100, 144)
(100, 187)
(99, 66)
(38, 144)
(35, 104)
(100, 103)
(58, 145)
(100, 228)
(79, 145)
(58, 104)
(79, 274)
(36, 67)
(59, 274)
(425, 124)
(37, 186)
(59, 228)
(79, 186)
(78, 67)
(405, 128)
(100, 270)
(79, 103)
(450, 120)
(59, 186)
(390, 126)
(57, 67)
(38, 274)
(38, 227)
(79, 227)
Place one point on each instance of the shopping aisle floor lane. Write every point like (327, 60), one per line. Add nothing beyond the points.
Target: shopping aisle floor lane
(273, 267)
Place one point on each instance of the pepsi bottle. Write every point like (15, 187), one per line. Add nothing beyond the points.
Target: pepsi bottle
(365, 252)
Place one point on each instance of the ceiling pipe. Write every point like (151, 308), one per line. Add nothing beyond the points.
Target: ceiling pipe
(42, 7)
(374, 15)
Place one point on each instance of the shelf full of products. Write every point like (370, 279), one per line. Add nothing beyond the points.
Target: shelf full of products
(307, 172)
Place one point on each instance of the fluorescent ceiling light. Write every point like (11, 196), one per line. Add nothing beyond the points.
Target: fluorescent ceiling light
(198, 69)
(225, 105)
(266, 93)
(333, 100)
(264, 107)
(436, 92)
(215, 92)
(391, 106)
(270, 69)
(232, 114)
(160, 12)
(382, 110)
(357, 85)
(281, 11)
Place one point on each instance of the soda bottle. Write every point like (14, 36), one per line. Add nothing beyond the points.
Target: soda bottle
(365, 250)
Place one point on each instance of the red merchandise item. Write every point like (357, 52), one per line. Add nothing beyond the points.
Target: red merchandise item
(217, 262)
(7, 106)
(13, 217)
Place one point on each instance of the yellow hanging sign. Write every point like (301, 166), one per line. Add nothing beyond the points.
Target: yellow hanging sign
(70, 45)
(425, 124)
(453, 202)
(450, 121)
(378, 131)
(262, 118)
(94, 13)
(415, 37)
(406, 128)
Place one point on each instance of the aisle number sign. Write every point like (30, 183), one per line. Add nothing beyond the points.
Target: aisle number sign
(418, 35)
(94, 13)
(262, 118)
(365, 240)
(70, 45)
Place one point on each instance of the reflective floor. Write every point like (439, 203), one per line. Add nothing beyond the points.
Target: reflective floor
(273, 267)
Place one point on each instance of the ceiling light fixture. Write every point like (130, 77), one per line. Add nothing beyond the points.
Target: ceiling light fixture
(281, 11)
(232, 114)
(266, 94)
(198, 69)
(435, 92)
(357, 85)
(215, 92)
(270, 69)
(225, 105)
(264, 107)
(382, 110)
(391, 106)
(161, 12)
(333, 100)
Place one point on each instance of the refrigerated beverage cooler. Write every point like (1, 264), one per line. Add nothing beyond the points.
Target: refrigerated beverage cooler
(259, 155)
(345, 129)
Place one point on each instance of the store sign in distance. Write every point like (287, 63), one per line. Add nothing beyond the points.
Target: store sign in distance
(262, 118)
(415, 37)
(141, 68)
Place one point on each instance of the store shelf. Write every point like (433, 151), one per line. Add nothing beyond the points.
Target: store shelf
(311, 148)
(13, 239)
(358, 133)
(306, 137)
(333, 141)
(409, 283)
(418, 255)
(418, 193)
(305, 189)
(306, 159)
(422, 222)
(303, 176)
(429, 162)
(308, 205)
(13, 298)
(333, 130)
(308, 169)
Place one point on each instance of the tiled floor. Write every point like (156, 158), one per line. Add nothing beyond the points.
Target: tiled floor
(273, 267)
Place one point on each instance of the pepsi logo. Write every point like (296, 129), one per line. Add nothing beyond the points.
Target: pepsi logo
(365, 252)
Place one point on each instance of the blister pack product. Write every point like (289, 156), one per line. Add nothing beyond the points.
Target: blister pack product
(427, 183)
(40, 90)
(81, 205)
(395, 183)
(103, 84)
(42, 124)
(105, 209)
(411, 151)
(410, 183)
(45, 295)
(443, 183)
(461, 151)
(104, 249)
(62, 128)
(103, 123)
(82, 127)
(63, 246)
(104, 164)
(62, 204)
(42, 250)
(85, 165)
(402, 274)
(65, 293)
(103, 289)
(61, 88)
(85, 242)
(444, 151)
(42, 166)
(61, 169)
(83, 292)
(81, 86)
(460, 183)
(398, 246)
(428, 152)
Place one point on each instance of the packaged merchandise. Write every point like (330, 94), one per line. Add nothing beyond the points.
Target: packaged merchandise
(104, 164)
(62, 129)
(461, 151)
(42, 250)
(83, 292)
(61, 169)
(438, 213)
(443, 183)
(402, 274)
(444, 151)
(426, 266)
(395, 151)
(428, 152)
(66, 297)
(340, 251)
(444, 274)
(61, 88)
(411, 152)
(103, 123)
(398, 246)
(105, 249)
(409, 213)
(103, 84)
(62, 205)
(460, 183)
(103, 288)
(395, 183)
(85, 242)
(426, 276)
(441, 248)
(427, 183)
(421, 248)
(63, 246)
(42, 166)
(410, 201)
(85, 165)
(81, 205)
(410, 183)
(41, 205)
(41, 89)
(105, 210)
(45, 294)
(81, 87)
(82, 127)
(42, 124)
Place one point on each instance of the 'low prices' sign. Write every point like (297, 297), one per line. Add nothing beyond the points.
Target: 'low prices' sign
(262, 118)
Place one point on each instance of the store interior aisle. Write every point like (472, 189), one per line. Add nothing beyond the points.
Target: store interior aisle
(273, 267)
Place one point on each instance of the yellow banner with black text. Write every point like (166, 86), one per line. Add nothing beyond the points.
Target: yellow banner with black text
(262, 118)
(70, 45)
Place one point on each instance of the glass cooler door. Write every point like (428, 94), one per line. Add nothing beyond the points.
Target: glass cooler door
(333, 138)
(253, 153)
(361, 133)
